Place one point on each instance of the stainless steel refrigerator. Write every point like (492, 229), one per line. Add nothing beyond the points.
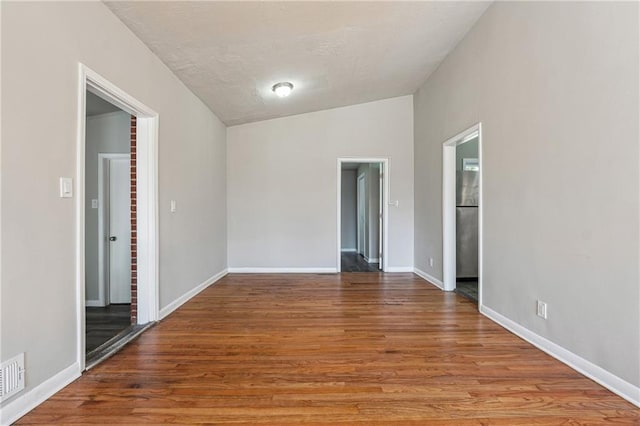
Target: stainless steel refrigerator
(467, 224)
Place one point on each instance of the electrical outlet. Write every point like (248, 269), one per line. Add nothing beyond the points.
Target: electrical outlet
(431, 262)
(541, 309)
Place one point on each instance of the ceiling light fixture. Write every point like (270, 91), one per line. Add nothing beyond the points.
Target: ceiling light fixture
(282, 89)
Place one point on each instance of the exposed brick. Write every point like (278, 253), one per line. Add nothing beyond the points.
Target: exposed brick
(134, 240)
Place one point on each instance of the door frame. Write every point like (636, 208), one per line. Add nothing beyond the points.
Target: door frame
(147, 199)
(359, 229)
(449, 207)
(380, 217)
(384, 169)
(103, 207)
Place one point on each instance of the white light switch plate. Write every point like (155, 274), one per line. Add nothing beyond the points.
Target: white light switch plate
(173, 206)
(541, 309)
(66, 187)
(94, 204)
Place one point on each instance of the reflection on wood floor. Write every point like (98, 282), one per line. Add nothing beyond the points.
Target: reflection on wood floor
(354, 262)
(331, 349)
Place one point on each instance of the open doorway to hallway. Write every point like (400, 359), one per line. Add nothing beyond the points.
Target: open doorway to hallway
(462, 213)
(110, 231)
(467, 197)
(361, 216)
(126, 273)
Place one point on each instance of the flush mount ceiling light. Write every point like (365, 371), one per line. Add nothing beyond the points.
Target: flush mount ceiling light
(282, 89)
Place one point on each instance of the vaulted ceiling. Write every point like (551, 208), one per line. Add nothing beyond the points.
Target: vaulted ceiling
(335, 53)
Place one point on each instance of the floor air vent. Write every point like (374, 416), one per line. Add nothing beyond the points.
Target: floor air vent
(11, 377)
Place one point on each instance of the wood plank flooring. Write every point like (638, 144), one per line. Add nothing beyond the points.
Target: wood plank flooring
(331, 349)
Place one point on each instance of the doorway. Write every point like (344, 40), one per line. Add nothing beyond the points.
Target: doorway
(362, 215)
(462, 214)
(110, 309)
(117, 227)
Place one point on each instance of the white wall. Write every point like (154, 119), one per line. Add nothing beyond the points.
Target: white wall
(105, 133)
(348, 215)
(42, 44)
(282, 211)
(555, 86)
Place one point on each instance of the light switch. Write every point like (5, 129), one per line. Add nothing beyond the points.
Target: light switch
(94, 204)
(66, 187)
(173, 206)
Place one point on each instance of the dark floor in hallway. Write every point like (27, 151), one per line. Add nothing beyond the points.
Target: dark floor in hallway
(468, 289)
(354, 262)
(105, 323)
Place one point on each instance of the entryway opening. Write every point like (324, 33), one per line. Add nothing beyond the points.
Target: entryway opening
(462, 236)
(361, 215)
(110, 231)
(117, 229)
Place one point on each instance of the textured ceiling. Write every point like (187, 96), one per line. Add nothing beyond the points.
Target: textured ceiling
(335, 53)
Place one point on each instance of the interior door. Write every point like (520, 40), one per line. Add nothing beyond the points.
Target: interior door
(119, 232)
(361, 191)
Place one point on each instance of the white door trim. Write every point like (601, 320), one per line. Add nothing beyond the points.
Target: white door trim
(360, 181)
(103, 282)
(449, 207)
(147, 196)
(380, 217)
(385, 206)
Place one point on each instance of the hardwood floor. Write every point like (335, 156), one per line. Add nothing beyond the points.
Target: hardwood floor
(331, 349)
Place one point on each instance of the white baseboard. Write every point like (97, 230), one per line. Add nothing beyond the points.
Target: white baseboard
(371, 259)
(399, 269)
(598, 374)
(348, 250)
(430, 278)
(26, 402)
(282, 270)
(93, 304)
(191, 293)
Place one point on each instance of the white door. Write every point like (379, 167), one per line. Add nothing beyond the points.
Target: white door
(362, 217)
(119, 232)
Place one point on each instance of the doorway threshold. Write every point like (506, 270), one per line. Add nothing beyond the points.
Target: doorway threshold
(113, 345)
(468, 288)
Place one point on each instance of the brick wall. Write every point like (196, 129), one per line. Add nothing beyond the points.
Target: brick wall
(134, 232)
